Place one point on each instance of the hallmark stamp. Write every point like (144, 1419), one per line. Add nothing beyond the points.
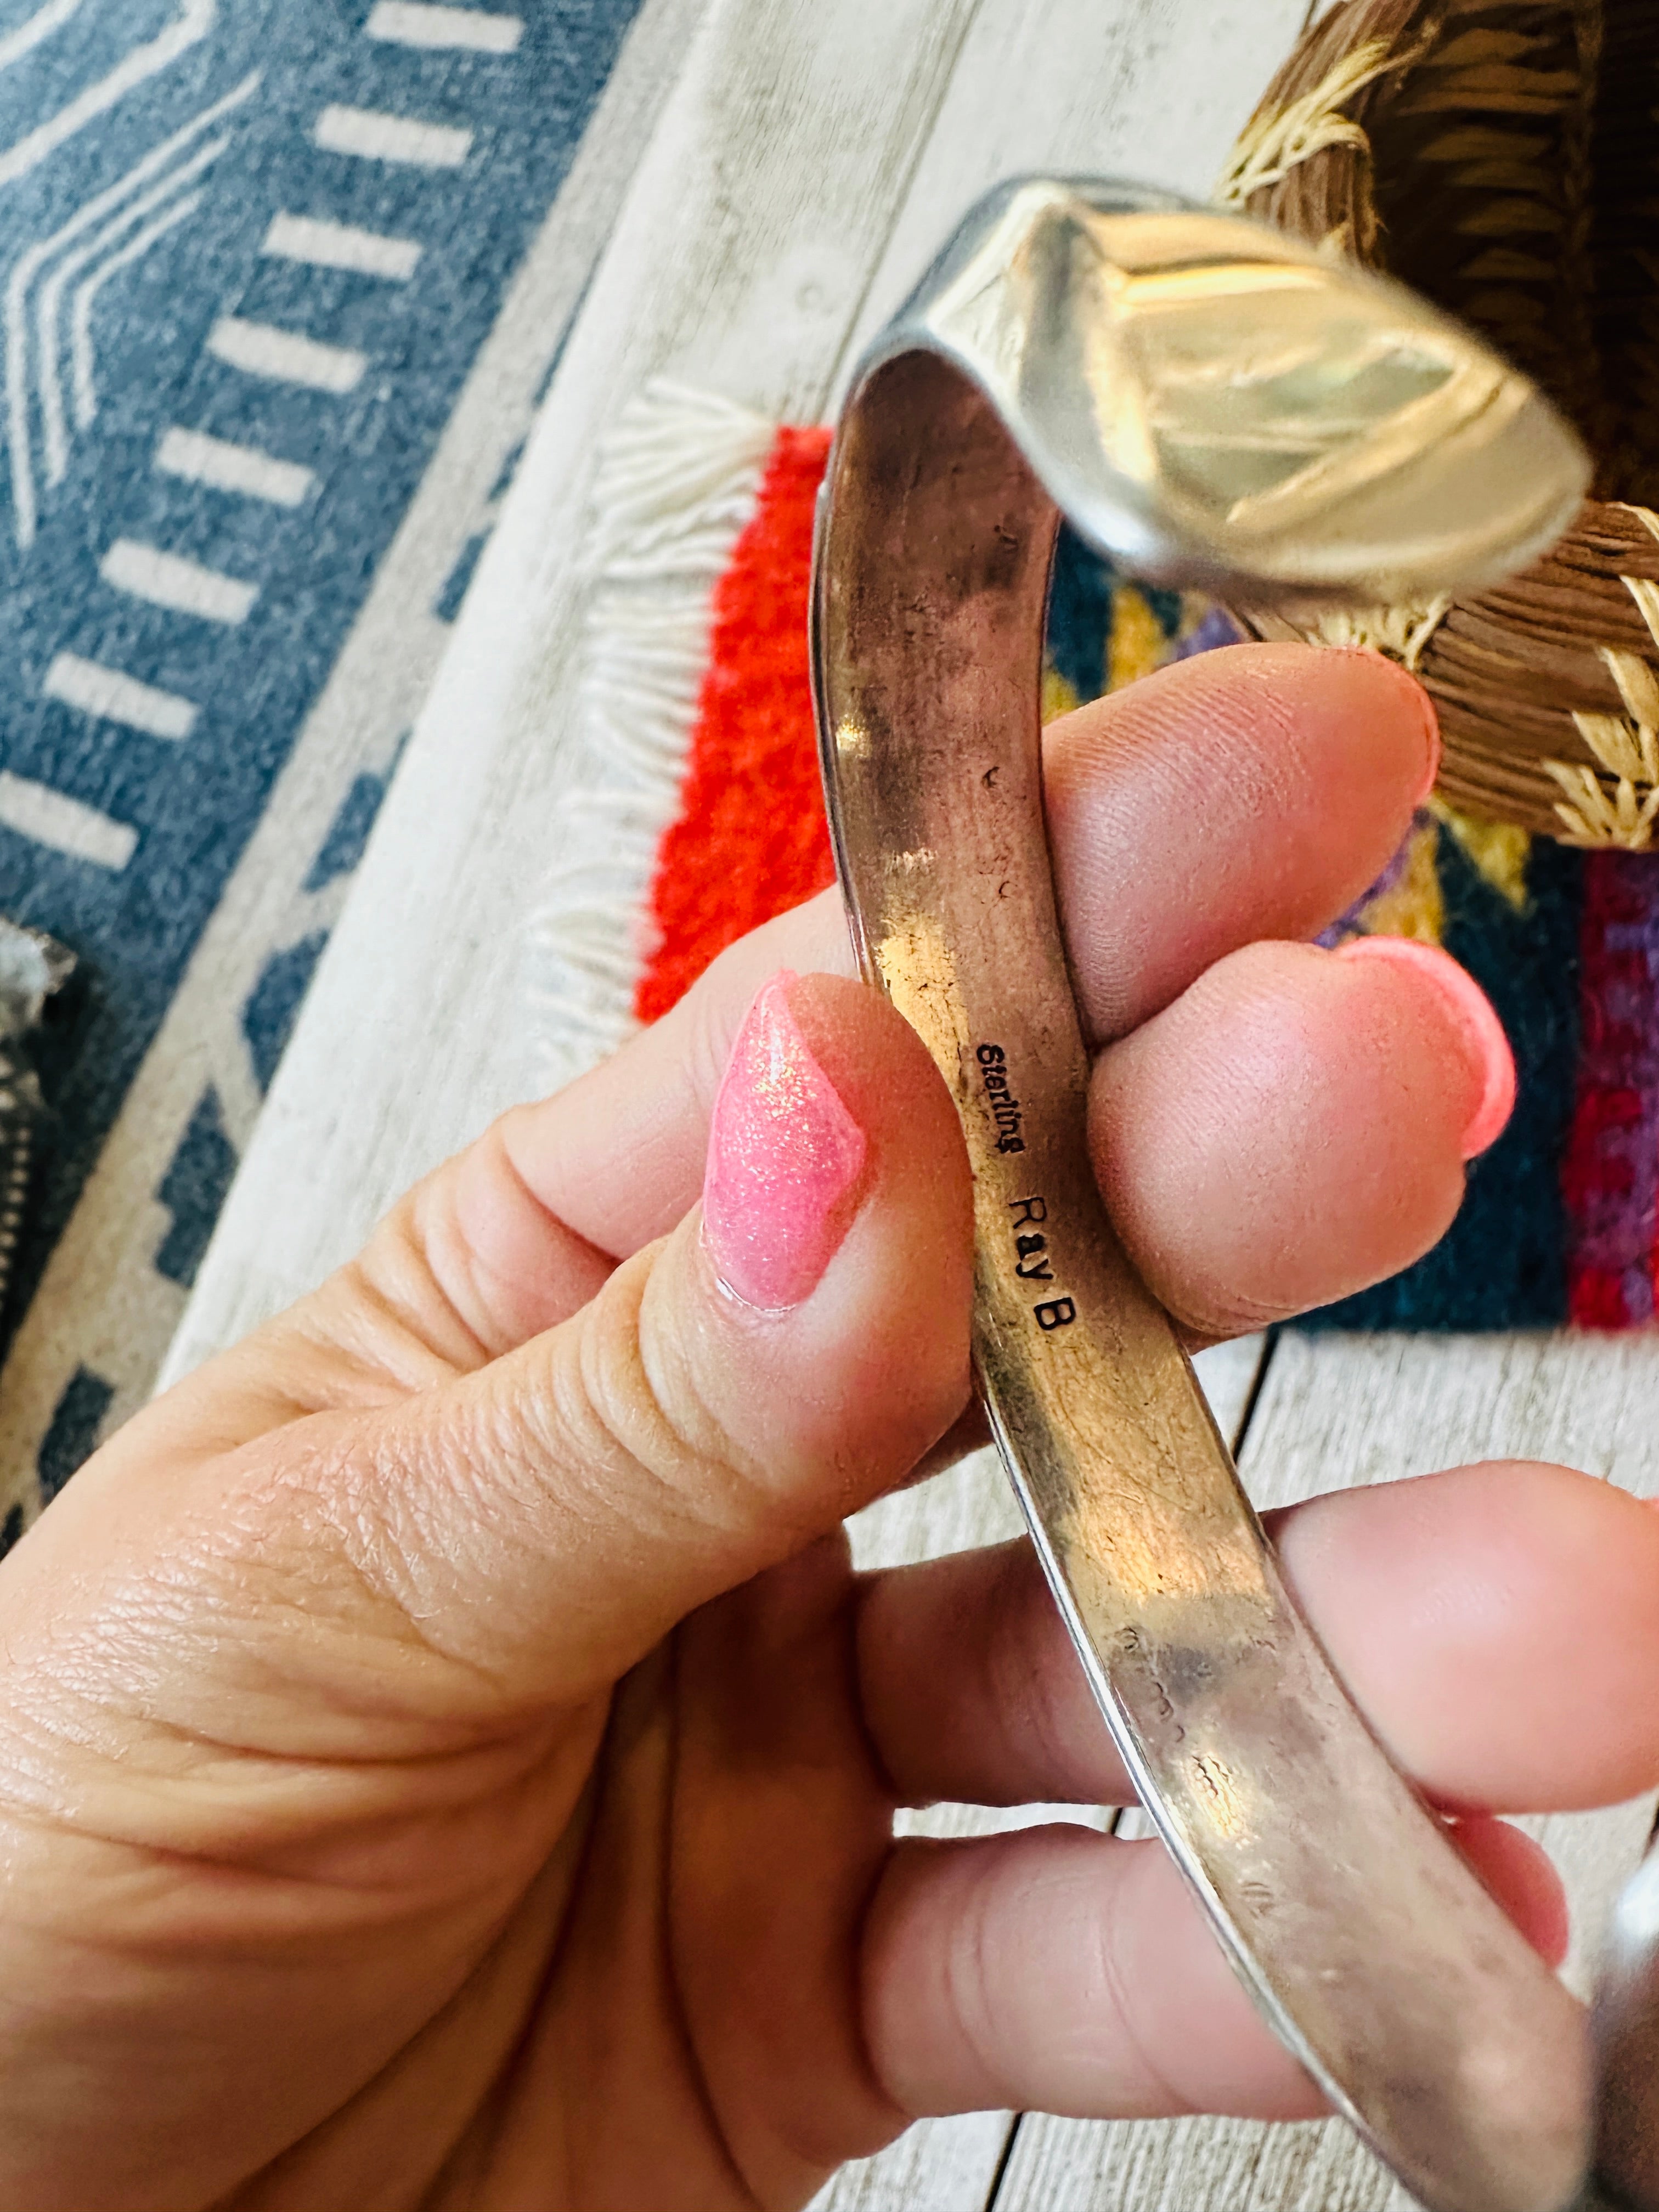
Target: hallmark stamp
(1031, 1262)
(1006, 1108)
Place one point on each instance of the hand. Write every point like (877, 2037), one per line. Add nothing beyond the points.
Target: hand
(444, 1758)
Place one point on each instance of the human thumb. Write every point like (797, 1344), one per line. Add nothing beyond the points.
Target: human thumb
(787, 1354)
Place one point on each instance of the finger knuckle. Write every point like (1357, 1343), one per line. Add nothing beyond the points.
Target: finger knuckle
(628, 1395)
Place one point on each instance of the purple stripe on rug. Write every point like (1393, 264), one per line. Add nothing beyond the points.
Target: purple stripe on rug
(1610, 1173)
(1350, 924)
(1217, 628)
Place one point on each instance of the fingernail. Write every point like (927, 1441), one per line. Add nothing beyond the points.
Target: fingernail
(1478, 1017)
(784, 1157)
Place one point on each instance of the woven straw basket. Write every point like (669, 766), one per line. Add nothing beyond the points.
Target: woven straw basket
(1502, 156)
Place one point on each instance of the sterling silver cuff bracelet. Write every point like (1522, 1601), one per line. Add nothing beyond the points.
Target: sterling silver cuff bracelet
(1210, 404)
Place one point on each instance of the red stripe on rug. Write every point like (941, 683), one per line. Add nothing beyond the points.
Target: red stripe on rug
(750, 840)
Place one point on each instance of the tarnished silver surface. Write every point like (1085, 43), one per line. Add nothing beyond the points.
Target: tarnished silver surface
(1209, 403)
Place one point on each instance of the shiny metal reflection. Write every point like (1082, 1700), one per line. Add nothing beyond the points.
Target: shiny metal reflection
(1215, 403)
(1210, 404)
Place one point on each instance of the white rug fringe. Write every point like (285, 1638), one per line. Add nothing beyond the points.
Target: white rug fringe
(676, 484)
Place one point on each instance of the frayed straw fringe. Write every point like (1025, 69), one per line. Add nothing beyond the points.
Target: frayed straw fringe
(677, 482)
(1402, 632)
(1275, 143)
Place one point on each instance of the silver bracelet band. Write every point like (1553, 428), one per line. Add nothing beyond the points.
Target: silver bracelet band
(1210, 402)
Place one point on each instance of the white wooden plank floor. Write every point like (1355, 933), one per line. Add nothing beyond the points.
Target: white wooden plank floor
(807, 162)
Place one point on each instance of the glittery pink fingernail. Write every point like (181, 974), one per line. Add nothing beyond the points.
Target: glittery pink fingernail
(784, 1156)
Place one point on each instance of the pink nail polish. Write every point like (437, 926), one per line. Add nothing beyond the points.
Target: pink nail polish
(1479, 1020)
(784, 1157)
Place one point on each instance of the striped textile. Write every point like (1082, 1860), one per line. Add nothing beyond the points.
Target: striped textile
(266, 370)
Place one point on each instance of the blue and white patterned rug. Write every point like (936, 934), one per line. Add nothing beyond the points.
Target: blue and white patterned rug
(266, 370)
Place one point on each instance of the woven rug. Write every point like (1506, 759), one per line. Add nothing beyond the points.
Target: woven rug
(276, 281)
(703, 799)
